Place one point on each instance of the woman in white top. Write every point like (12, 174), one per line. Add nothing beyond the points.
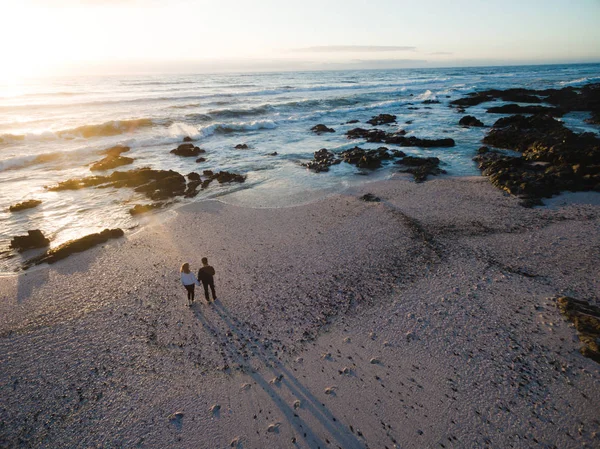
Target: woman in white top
(189, 281)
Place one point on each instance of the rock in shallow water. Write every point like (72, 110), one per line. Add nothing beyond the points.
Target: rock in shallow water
(29, 204)
(34, 239)
(74, 246)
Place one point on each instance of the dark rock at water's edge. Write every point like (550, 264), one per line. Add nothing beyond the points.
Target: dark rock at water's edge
(34, 239)
(187, 150)
(370, 198)
(431, 101)
(320, 129)
(193, 176)
(157, 185)
(200, 160)
(553, 158)
(188, 139)
(322, 160)
(371, 159)
(241, 146)
(420, 167)
(144, 208)
(111, 161)
(351, 122)
(469, 120)
(594, 118)
(74, 246)
(382, 119)
(274, 153)
(586, 319)
(29, 204)
(397, 138)
(517, 109)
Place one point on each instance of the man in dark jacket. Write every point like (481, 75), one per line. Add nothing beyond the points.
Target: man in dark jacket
(205, 275)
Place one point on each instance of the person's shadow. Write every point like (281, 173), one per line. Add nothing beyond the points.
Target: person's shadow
(282, 377)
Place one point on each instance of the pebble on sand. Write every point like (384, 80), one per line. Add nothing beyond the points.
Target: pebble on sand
(273, 428)
(215, 409)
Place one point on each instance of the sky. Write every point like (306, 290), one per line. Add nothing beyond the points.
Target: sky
(41, 37)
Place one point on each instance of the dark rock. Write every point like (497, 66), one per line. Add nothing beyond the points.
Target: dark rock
(431, 102)
(351, 122)
(109, 162)
(586, 319)
(274, 153)
(473, 99)
(320, 129)
(193, 176)
(224, 176)
(187, 150)
(115, 151)
(469, 120)
(382, 119)
(516, 109)
(370, 198)
(419, 167)
(241, 146)
(594, 118)
(483, 150)
(29, 204)
(371, 135)
(188, 139)
(208, 173)
(322, 160)
(397, 138)
(200, 160)
(192, 189)
(34, 239)
(144, 208)
(74, 246)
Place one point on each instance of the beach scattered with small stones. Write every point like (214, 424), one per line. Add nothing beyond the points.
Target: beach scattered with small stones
(392, 315)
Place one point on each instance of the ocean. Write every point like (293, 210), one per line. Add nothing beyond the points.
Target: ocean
(52, 129)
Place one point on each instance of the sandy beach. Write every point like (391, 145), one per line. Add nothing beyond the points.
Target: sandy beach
(425, 320)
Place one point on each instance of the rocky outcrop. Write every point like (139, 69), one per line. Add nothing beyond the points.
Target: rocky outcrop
(200, 160)
(359, 157)
(553, 158)
(397, 138)
(320, 129)
(351, 122)
(188, 139)
(74, 246)
(370, 198)
(241, 146)
(158, 185)
(469, 120)
(187, 150)
(585, 98)
(431, 101)
(420, 167)
(517, 109)
(110, 161)
(586, 319)
(34, 239)
(29, 204)
(382, 119)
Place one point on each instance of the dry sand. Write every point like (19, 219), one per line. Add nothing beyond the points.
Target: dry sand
(423, 321)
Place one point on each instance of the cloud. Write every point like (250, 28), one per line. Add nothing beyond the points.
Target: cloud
(356, 64)
(353, 48)
(441, 53)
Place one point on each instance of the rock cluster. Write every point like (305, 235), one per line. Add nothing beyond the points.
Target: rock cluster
(397, 138)
(241, 146)
(320, 129)
(158, 185)
(34, 239)
(29, 204)
(74, 246)
(586, 318)
(113, 159)
(382, 119)
(469, 120)
(187, 150)
(420, 167)
(144, 208)
(553, 159)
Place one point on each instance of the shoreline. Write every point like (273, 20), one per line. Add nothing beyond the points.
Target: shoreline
(410, 321)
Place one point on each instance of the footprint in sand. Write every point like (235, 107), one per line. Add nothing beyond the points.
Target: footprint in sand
(297, 404)
(274, 428)
(245, 387)
(276, 380)
(215, 409)
(330, 391)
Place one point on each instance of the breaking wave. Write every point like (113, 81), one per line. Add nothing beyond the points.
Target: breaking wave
(225, 128)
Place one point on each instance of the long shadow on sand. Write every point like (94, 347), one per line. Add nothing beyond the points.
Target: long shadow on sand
(283, 378)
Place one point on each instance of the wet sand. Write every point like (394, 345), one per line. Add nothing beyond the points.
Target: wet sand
(424, 320)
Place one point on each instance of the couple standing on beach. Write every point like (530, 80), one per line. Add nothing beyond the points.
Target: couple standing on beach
(205, 275)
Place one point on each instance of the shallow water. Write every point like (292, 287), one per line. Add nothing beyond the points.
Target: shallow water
(52, 129)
